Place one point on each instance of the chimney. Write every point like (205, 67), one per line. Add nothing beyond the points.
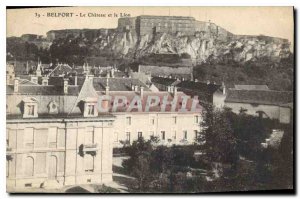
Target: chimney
(169, 89)
(136, 88)
(27, 68)
(66, 85)
(207, 82)
(16, 85)
(142, 92)
(45, 81)
(76, 79)
(224, 88)
(175, 91)
(106, 87)
(112, 73)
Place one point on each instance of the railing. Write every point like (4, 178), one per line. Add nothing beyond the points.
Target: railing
(90, 147)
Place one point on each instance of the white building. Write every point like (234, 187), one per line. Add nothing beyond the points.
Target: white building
(57, 136)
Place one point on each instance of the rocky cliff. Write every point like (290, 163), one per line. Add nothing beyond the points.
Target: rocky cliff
(218, 46)
(199, 47)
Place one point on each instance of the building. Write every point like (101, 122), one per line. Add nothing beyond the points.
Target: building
(170, 126)
(183, 72)
(146, 24)
(261, 102)
(10, 74)
(207, 93)
(56, 137)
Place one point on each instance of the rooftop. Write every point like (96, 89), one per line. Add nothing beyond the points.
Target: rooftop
(251, 87)
(267, 97)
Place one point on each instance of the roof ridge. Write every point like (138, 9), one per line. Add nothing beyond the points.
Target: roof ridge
(261, 90)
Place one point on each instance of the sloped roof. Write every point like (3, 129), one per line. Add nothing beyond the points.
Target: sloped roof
(165, 81)
(26, 82)
(117, 84)
(42, 90)
(251, 87)
(199, 86)
(60, 70)
(268, 97)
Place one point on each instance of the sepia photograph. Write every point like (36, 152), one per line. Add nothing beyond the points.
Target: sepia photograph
(150, 100)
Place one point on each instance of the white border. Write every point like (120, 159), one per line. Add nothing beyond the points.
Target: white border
(3, 5)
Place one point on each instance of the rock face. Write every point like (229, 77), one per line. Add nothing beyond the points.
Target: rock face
(199, 48)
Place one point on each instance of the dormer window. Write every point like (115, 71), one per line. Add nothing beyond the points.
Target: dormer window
(53, 107)
(30, 107)
(90, 107)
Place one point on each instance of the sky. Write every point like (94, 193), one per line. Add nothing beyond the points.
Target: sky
(271, 21)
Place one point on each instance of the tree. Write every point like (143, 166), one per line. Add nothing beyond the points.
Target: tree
(220, 145)
(138, 165)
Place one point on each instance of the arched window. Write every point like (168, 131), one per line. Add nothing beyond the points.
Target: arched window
(29, 166)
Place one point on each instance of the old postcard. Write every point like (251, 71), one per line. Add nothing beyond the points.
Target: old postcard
(149, 99)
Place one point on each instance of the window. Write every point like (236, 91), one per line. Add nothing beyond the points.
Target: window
(185, 135)
(152, 120)
(91, 109)
(7, 168)
(89, 163)
(196, 119)
(29, 166)
(89, 135)
(174, 135)
(28, 137)
(116, 139)
(151, 133)
(53, 107)
(196, 134)
(140, 135)
(163, 135)
(7, 136)
(30, 110)
(128, 137)
(30, 107)
(128, 120)
(175, 120)
(52, 137)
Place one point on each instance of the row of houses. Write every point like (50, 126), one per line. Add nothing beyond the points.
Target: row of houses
(256, 100)
(59, 133)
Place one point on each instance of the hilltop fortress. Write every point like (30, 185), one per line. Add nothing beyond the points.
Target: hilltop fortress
(199, 41)
(146, 24)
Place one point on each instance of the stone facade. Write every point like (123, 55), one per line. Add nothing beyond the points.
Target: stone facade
(170, 128)
(56, 136)
(58, 152)
(144, 24)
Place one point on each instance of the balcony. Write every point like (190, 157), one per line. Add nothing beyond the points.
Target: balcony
(90, 147)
